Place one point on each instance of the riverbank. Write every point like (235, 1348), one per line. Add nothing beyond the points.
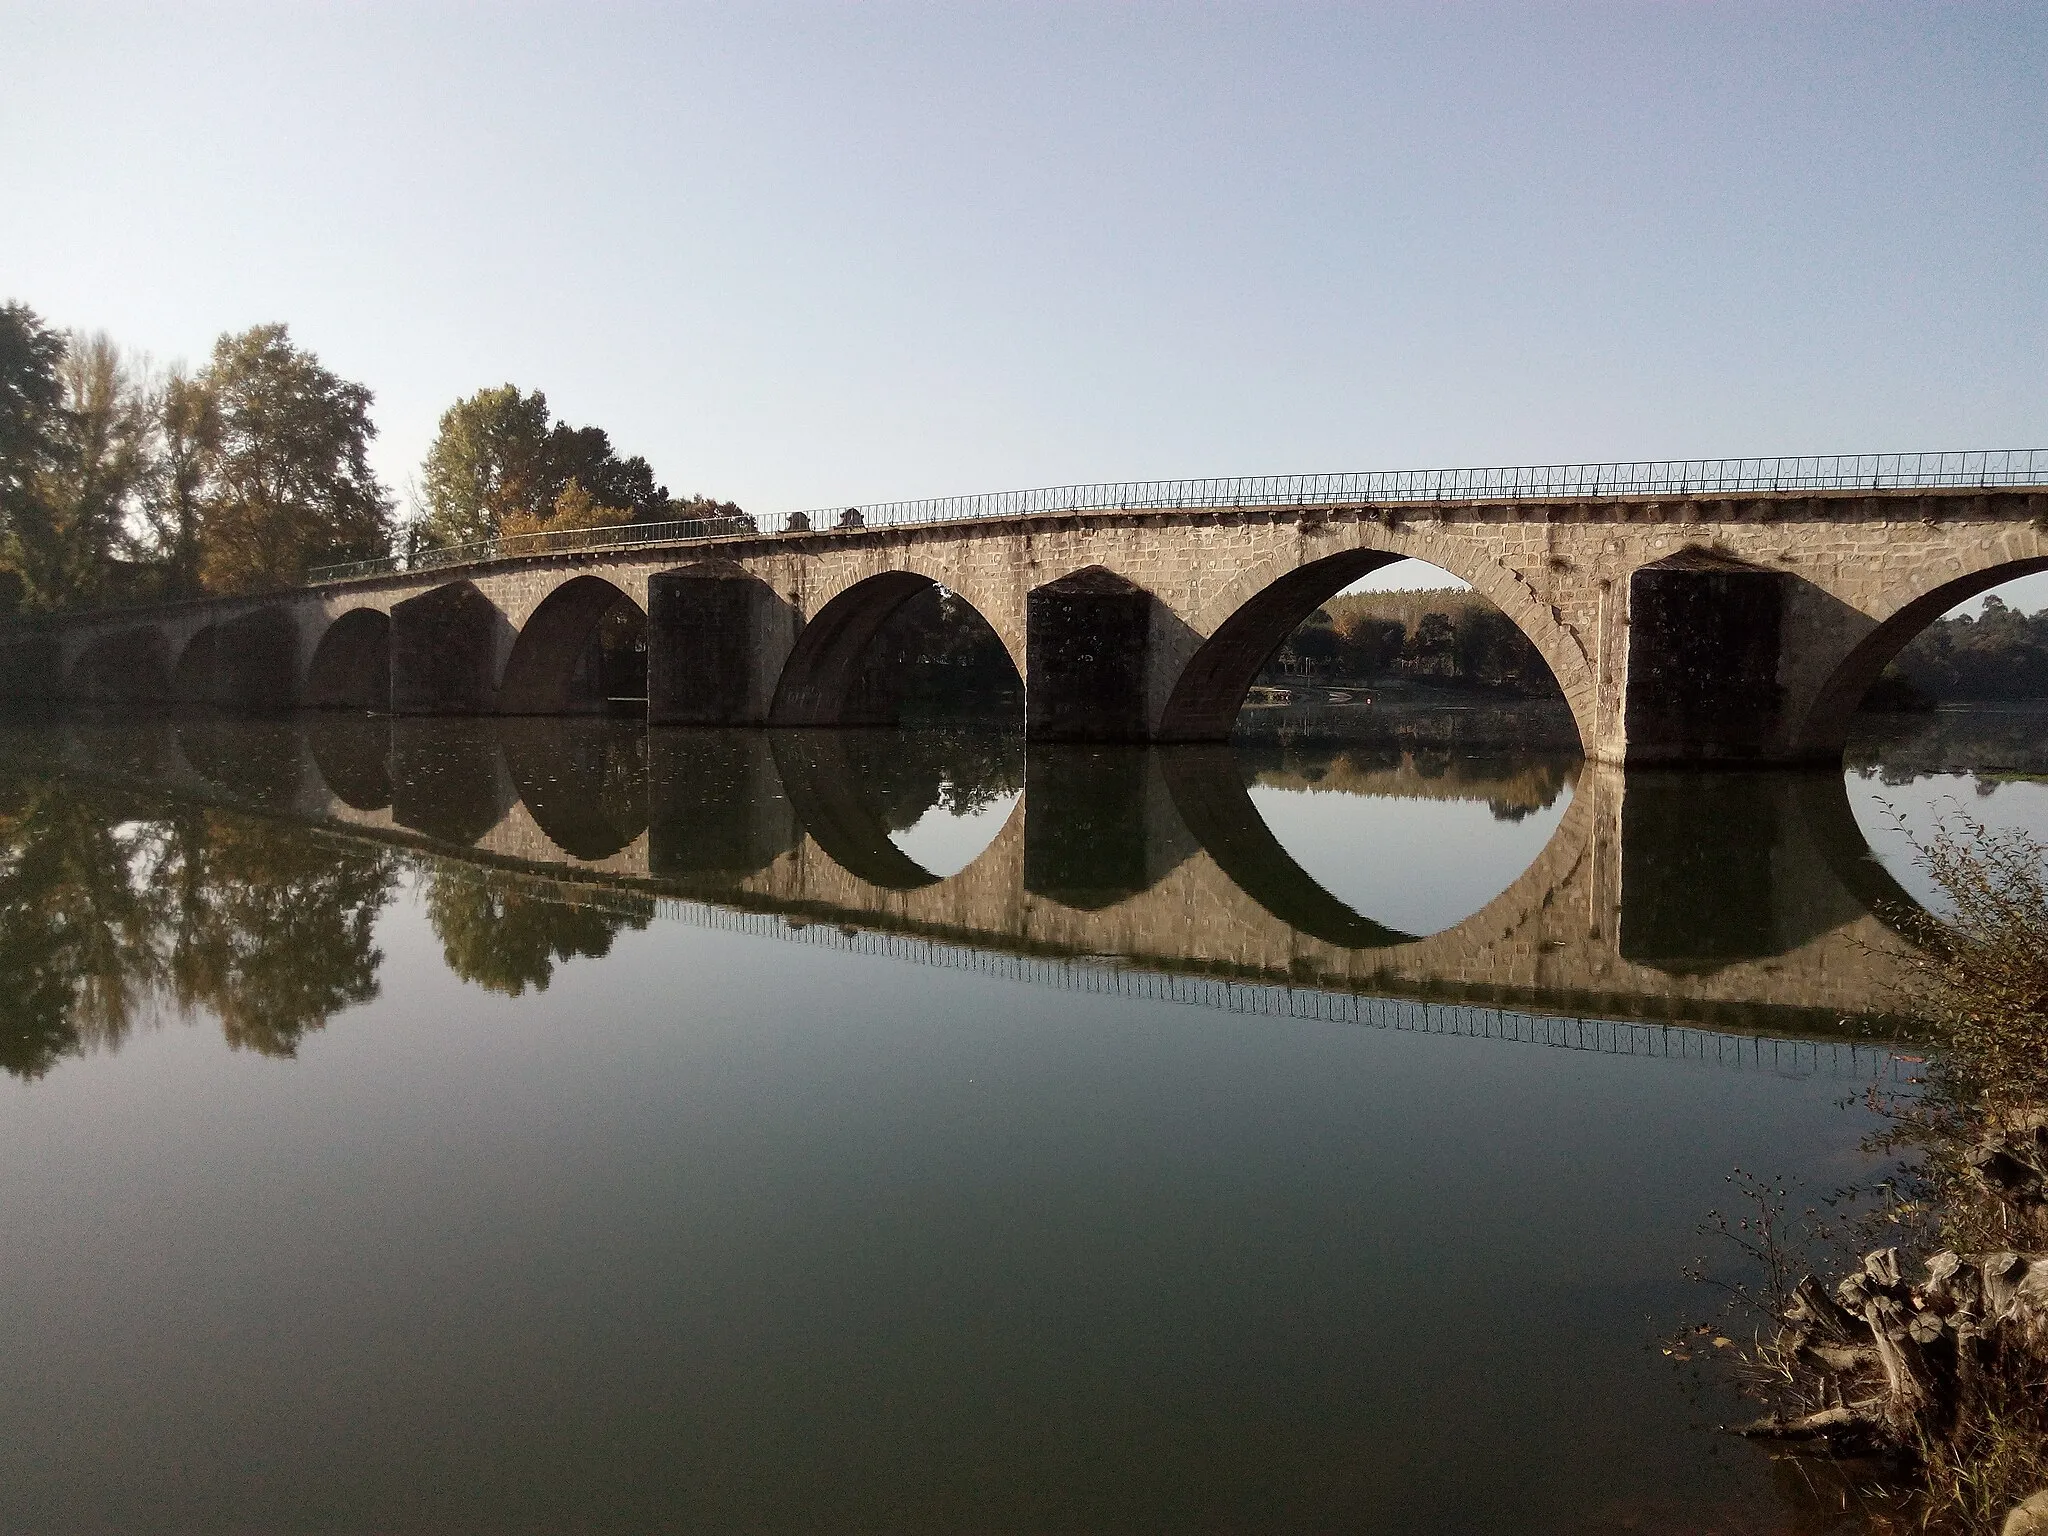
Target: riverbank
(1938, 1385)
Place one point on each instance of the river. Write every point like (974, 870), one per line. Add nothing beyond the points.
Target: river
(491, 1126)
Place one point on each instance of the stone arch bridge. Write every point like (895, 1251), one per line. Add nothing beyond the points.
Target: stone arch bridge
(1732, 611)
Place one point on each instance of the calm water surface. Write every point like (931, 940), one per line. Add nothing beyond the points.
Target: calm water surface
(550, 1128)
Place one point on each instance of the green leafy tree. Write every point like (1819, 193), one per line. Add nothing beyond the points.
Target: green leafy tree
(290, 481)
(714, 516)
(271, 931)
(585, 455)
(78, 957)
(2002, 654)
(488, 462)
(499, 465)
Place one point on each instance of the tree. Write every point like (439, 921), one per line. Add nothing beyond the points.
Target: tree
(488, 462)
(290, 482)
(506, 938)
(74, 517)
(585, 455)
(174, 508)
(713, 516)
(1371, 645)
(1429, 649)
(574, 508)
(498, 465)
(31, 400)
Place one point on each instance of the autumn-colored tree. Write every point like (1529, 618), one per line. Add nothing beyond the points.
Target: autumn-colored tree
(289, 482)
(174, 505)
(75, 516)
(574, 508)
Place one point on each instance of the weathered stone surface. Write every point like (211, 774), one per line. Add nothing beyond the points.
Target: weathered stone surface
(1857, 575)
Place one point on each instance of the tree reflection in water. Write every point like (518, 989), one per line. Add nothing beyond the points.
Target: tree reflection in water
(269, 929)
(111, 915)
(504, 934)
(79, 957)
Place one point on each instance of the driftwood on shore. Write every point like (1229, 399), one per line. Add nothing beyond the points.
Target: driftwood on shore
(1891, 1360)
(1894, 1355)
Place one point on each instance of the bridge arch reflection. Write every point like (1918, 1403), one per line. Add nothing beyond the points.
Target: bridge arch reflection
(1158, 855)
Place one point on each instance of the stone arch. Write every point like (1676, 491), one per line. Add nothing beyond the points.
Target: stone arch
(193, 682)
(820, 681)
(824, 789)
(352, 756)
(246, 664)
(1212, 686)
(554, 668)
(444, 650)
(130, 666)
(1263, 608)
(1822, 730)
(351, 667)
(32, 668)
(584, 782)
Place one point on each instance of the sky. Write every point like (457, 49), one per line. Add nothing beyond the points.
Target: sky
(825, 255)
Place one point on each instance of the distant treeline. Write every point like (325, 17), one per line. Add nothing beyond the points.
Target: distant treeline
(123, 481)
(1457, 639)
(2003, 655)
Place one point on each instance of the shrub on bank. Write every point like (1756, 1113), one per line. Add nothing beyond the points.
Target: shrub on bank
(1930, 1358)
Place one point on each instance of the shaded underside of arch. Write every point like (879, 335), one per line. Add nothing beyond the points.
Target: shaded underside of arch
(555, 667)
(352, 666)
(1824, 732)
(1212, 687)
(32, 668)
(352, 755)
(583, 781)
(244, 664)
(443, 652)
(820, 680)
(129, 667)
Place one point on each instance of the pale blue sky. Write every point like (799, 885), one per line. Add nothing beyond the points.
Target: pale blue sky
(813, 255)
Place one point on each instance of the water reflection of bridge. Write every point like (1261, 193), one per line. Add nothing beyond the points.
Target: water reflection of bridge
(1741, 900)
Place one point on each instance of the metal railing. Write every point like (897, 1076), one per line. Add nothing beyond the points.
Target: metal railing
(1655, 477)
(1780, 1055)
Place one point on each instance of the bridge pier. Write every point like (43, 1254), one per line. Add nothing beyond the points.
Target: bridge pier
(444, 652)
(1088, 653)
(1704, 640)
(717, 639)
